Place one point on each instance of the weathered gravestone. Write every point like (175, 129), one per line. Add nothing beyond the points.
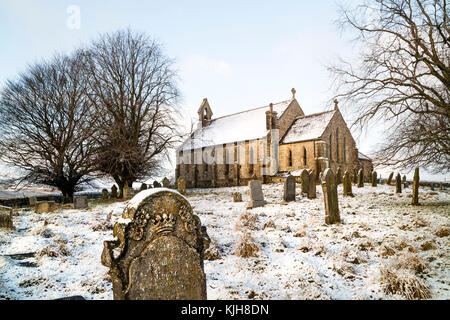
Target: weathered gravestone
(355, 175)
(330, 196)
(441, 186)
(312, 193)
(304, 176)
(406, 185)
(415, 191)
(374, 179)
(45, 206)
(398, 183)
(389, 180)
(143, 187)
(289, 189)
(6, 220)
(114, 194)
(166, 183)
(159, 253)
(256, 194)
(339, 176)
(432, 186)
(156, 184)
(360, 178)
(404, 179)
(237, 197)
(32, 201)
(181, 185)
(347, 185)
(105, 194)
(80, 203)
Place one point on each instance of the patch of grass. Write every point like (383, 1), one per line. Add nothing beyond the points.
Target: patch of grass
(442, 232)
(246, 221)
(246, 248)
(404, 283)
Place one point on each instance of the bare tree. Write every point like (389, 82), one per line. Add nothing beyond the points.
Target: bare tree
(133, 88)
(403, 77)
(46, 128)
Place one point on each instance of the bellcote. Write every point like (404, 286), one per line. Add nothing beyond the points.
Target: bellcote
(204, 114)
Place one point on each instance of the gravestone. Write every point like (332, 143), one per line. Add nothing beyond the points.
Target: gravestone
(256, 194)
(312, 193)
(237, 197)
(158, 255)
(166, 183)
(304, 176)
(289, 189)
(330, 196)
(360, 178)
(347, 185)
(389, 181)
(404, 179)
(143, 187)
(156, 184)
(128, 193)
(114, 194)
(441, 186)
(432, 186)
(415, 191)
(45, 206)
(6, 220)
(32, 201)
(406, 185)
(398, 183)
(105, 194)
(181, 186)
(339, 176)
(80, 203)
(374, 179)
(355, 175)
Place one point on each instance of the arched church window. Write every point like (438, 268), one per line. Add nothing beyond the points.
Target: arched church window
(304, 156)
(290, 158)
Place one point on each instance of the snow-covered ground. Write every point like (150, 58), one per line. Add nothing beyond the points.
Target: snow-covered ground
(299, 256)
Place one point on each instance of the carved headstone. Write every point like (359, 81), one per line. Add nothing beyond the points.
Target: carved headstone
(166, 183)
(105, 194)
(80, 203)
(159, 253)
(156, 184)
(45, 206)
(237, 197)
(374, 179)
(114, 194)
(398, 183)
(415, 191)
(347, 185)
(143, 187)
(32, 200)
(339, 176)
(289, 189)
(312, 194)
(305, 181)
(6, 220)
(256, 194)
(181, 185)
(360, 178)
(330, 195)
(389, 181)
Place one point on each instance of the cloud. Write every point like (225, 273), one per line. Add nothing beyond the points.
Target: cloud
(203, 64)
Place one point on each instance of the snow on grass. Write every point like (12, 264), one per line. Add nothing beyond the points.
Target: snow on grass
(298, 256)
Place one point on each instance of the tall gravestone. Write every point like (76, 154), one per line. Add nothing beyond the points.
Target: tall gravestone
(166, 183)
(312, 193)
(404, 179)
(398, 183)
(114, 194)
(80, 202)
(355, 175)
(304, 176)
(432, 186)
(159, 254)
(256, 194)
(389, 181)
(330, 195)
(6, 220)
(374, 179)
(289, 189)
(105, 194)
(143, 187)
(347, 185)
(415, 191)
(360, 178)
(181, 186)
(339, 176)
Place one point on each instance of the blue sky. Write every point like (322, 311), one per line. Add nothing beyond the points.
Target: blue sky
(238, 54)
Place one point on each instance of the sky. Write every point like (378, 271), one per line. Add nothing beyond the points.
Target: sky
(238, 54)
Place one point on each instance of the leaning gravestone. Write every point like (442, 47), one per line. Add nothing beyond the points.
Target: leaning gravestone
(156, 184)
(6, 220)
(415, 191)
(181, 185)
(304, 176)
(45, 206)
(391, 176)
(339, 176)
(374, 179)
(347, 185)
(32, 201)
(398, 183)
(159, 252)
(166, 183)
(289, 189)
(330, 196)
(312, 193)
(80, 203)
(360, 178)
(256, 194)
(114, 192)
(105, 194)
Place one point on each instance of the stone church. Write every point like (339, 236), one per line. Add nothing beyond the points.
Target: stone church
(232, 150)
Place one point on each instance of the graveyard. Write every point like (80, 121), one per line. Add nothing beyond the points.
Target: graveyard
(276, 250)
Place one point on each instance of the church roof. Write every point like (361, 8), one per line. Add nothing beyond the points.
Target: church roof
(309, 127)
(242, 126)
(362, 156)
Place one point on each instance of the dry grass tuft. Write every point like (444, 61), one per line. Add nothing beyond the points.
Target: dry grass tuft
(411, 262)
(269, 224)
(387, 251)
(212, 253)
(246, 221)
(246, 248)
(428, 245)
(404, 283)
(442, 232)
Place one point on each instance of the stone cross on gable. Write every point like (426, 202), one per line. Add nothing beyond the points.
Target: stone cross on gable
(293, 93)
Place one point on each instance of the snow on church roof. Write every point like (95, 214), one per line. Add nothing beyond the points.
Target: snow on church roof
(363, 156)
(308, 127)
(246, 125)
